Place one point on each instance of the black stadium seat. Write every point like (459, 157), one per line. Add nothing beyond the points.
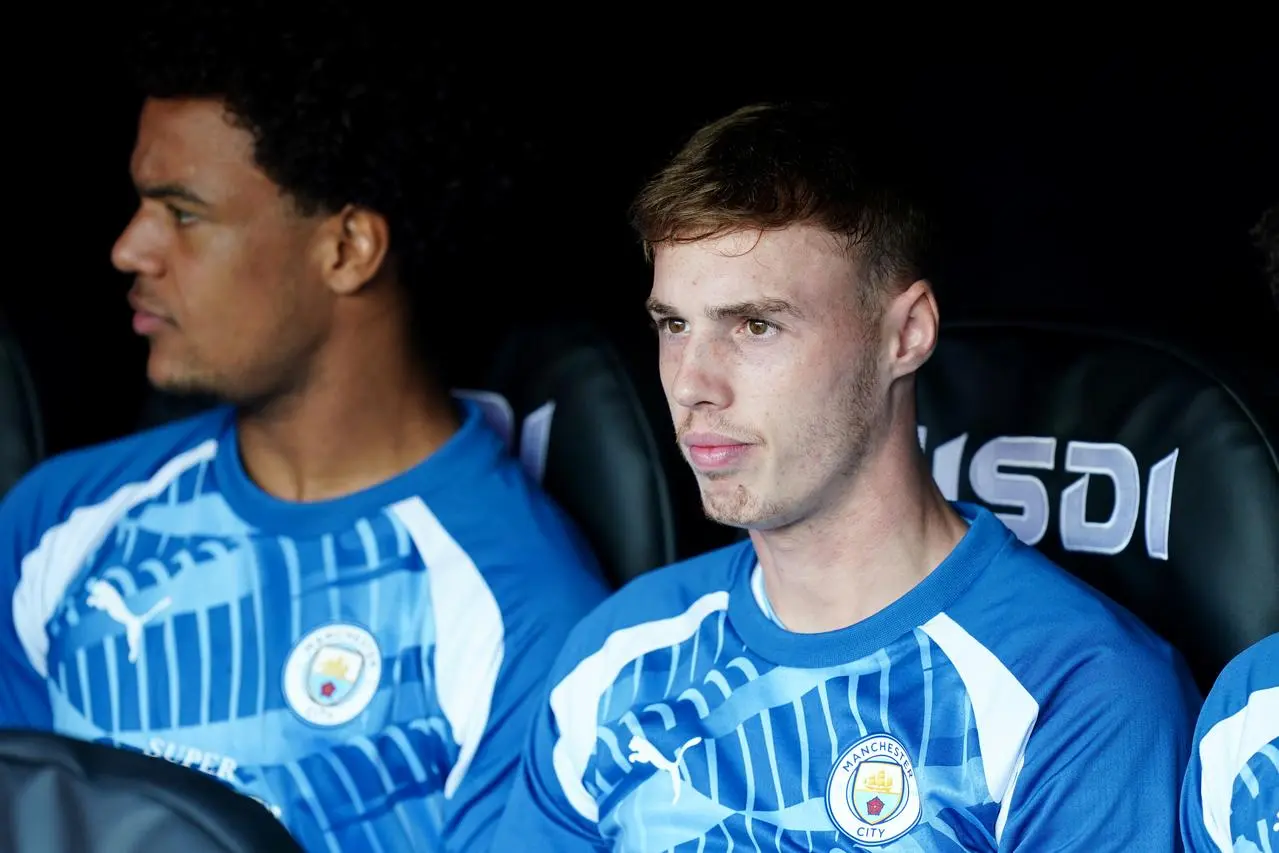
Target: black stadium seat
(586, 430)
(21, 431)
(1141, 470)
(59, 795)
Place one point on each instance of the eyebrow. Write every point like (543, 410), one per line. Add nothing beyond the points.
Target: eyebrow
(169, 192)
(766, 307)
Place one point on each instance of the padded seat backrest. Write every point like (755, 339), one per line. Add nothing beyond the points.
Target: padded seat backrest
(60, 795)
(1131, 464)
(21, 428)
(580, 425)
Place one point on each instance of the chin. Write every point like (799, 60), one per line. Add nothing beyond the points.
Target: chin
(171, 379)
(742, 519)
(732, 504)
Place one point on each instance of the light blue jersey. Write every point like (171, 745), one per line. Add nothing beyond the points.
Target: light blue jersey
(366, 666)
(1230, 799)
(999, 705)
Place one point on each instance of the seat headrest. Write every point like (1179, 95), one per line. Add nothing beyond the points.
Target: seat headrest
(21, 430)
(62, 795)
(1127, 462)
(579, 423)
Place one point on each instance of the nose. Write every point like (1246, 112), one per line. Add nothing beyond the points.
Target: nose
(137, 249)
(699, 375)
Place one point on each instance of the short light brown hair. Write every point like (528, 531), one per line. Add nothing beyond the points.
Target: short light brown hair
(1266, 235)
(769, 166)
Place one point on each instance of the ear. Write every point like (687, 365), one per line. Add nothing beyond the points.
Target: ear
(356, 243)
(910, 326)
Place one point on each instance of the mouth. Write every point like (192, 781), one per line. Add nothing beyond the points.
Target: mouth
(147, 319)
(712, 452)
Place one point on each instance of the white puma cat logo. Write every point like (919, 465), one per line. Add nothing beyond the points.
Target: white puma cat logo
(105, 597)
(644, 752)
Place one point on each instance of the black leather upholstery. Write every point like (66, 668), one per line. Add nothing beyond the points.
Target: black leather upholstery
(603, 463)
(59, 795)
(21, 432)
(1060, 429)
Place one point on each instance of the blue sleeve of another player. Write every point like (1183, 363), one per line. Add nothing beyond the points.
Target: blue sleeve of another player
(540, 817)
(538, 610)
(1230, 794)
(1104, 763)
(25, 516)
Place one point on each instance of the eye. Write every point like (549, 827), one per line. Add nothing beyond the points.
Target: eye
(180, 216)
(672, 325)
(759, 328)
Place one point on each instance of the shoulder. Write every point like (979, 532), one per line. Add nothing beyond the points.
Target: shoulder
(1230, 791)
(117, 470)
(1244, 698)
(485, 526)
(523, 545)
(1254, 669)
(656, 609)
(1067, 644)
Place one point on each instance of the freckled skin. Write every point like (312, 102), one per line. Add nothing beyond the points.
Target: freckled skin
(802, 386)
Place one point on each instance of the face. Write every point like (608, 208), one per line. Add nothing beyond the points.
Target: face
(226, 287)
(771, 369)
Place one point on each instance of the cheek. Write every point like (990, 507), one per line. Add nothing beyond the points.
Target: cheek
(230, 295)
(667, 367)
(839, 357)
(669, 359)
(786, 368)
(795, 388)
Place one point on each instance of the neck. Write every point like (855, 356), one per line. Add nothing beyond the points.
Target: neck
(364, 415)
(886, 532)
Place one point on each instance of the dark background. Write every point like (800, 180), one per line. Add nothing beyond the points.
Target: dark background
(1110, 185)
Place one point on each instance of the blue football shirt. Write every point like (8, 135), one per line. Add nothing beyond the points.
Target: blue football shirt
(367, 667)
(999, 705)
(1230, 799)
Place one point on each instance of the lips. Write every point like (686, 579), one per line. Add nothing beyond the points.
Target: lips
(148, 324)
(142, 305)
(711, 451)
(148, 319)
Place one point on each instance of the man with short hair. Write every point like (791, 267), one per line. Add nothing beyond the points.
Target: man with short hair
(1230, 795)
(338, 592)
(876, 667)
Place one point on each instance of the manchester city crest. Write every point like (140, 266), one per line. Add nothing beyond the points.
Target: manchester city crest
(332, 674)
(872, 795)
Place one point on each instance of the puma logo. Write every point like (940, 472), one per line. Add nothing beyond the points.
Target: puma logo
(645, 753)
(105, 597)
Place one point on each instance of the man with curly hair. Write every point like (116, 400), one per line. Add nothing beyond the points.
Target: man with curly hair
(337, 591)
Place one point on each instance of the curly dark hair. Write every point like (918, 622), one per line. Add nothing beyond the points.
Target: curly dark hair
(1266, 236)
(347, 104)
